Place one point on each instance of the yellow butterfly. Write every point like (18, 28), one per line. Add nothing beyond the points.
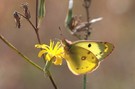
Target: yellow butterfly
(85, 56)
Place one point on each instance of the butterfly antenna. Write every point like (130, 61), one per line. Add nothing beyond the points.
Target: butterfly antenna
(61, 34)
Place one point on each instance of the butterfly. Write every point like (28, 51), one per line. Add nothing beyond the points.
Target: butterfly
(85, 56)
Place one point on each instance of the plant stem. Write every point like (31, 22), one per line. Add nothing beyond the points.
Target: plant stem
(87, 4)
(36, 13)
(46, 71)
(18, 52)
(51, 78)
(36, 30)
(84, 81)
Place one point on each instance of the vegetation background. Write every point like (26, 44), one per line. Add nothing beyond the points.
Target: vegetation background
(117, 27)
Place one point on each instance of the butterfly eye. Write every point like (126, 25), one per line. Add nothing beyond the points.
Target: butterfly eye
(89, 45)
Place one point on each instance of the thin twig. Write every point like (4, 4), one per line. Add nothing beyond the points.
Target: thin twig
(36, 29)
(87, 4)
(36, 13)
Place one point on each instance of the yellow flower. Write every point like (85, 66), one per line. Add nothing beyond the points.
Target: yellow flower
(52, 52)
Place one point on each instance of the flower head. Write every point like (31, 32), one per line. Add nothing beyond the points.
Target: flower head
(52, 52)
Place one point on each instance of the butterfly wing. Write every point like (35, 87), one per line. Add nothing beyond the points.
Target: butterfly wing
(99, 49)
(80, 60)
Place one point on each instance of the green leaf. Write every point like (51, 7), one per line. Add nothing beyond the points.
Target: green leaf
(41, 11)
(69, 14)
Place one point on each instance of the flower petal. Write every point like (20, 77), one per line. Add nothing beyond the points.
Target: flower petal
(52, 52)
(43, 46)
(48, 57)
(41, 53)
(57, 46)
(51, 45)
(58, 61)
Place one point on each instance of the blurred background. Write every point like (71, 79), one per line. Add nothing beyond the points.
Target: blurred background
(117, 27)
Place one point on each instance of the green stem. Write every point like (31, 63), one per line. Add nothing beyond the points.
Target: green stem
(84, 81)
(52, 81)
(18, 52)
(46, 70)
